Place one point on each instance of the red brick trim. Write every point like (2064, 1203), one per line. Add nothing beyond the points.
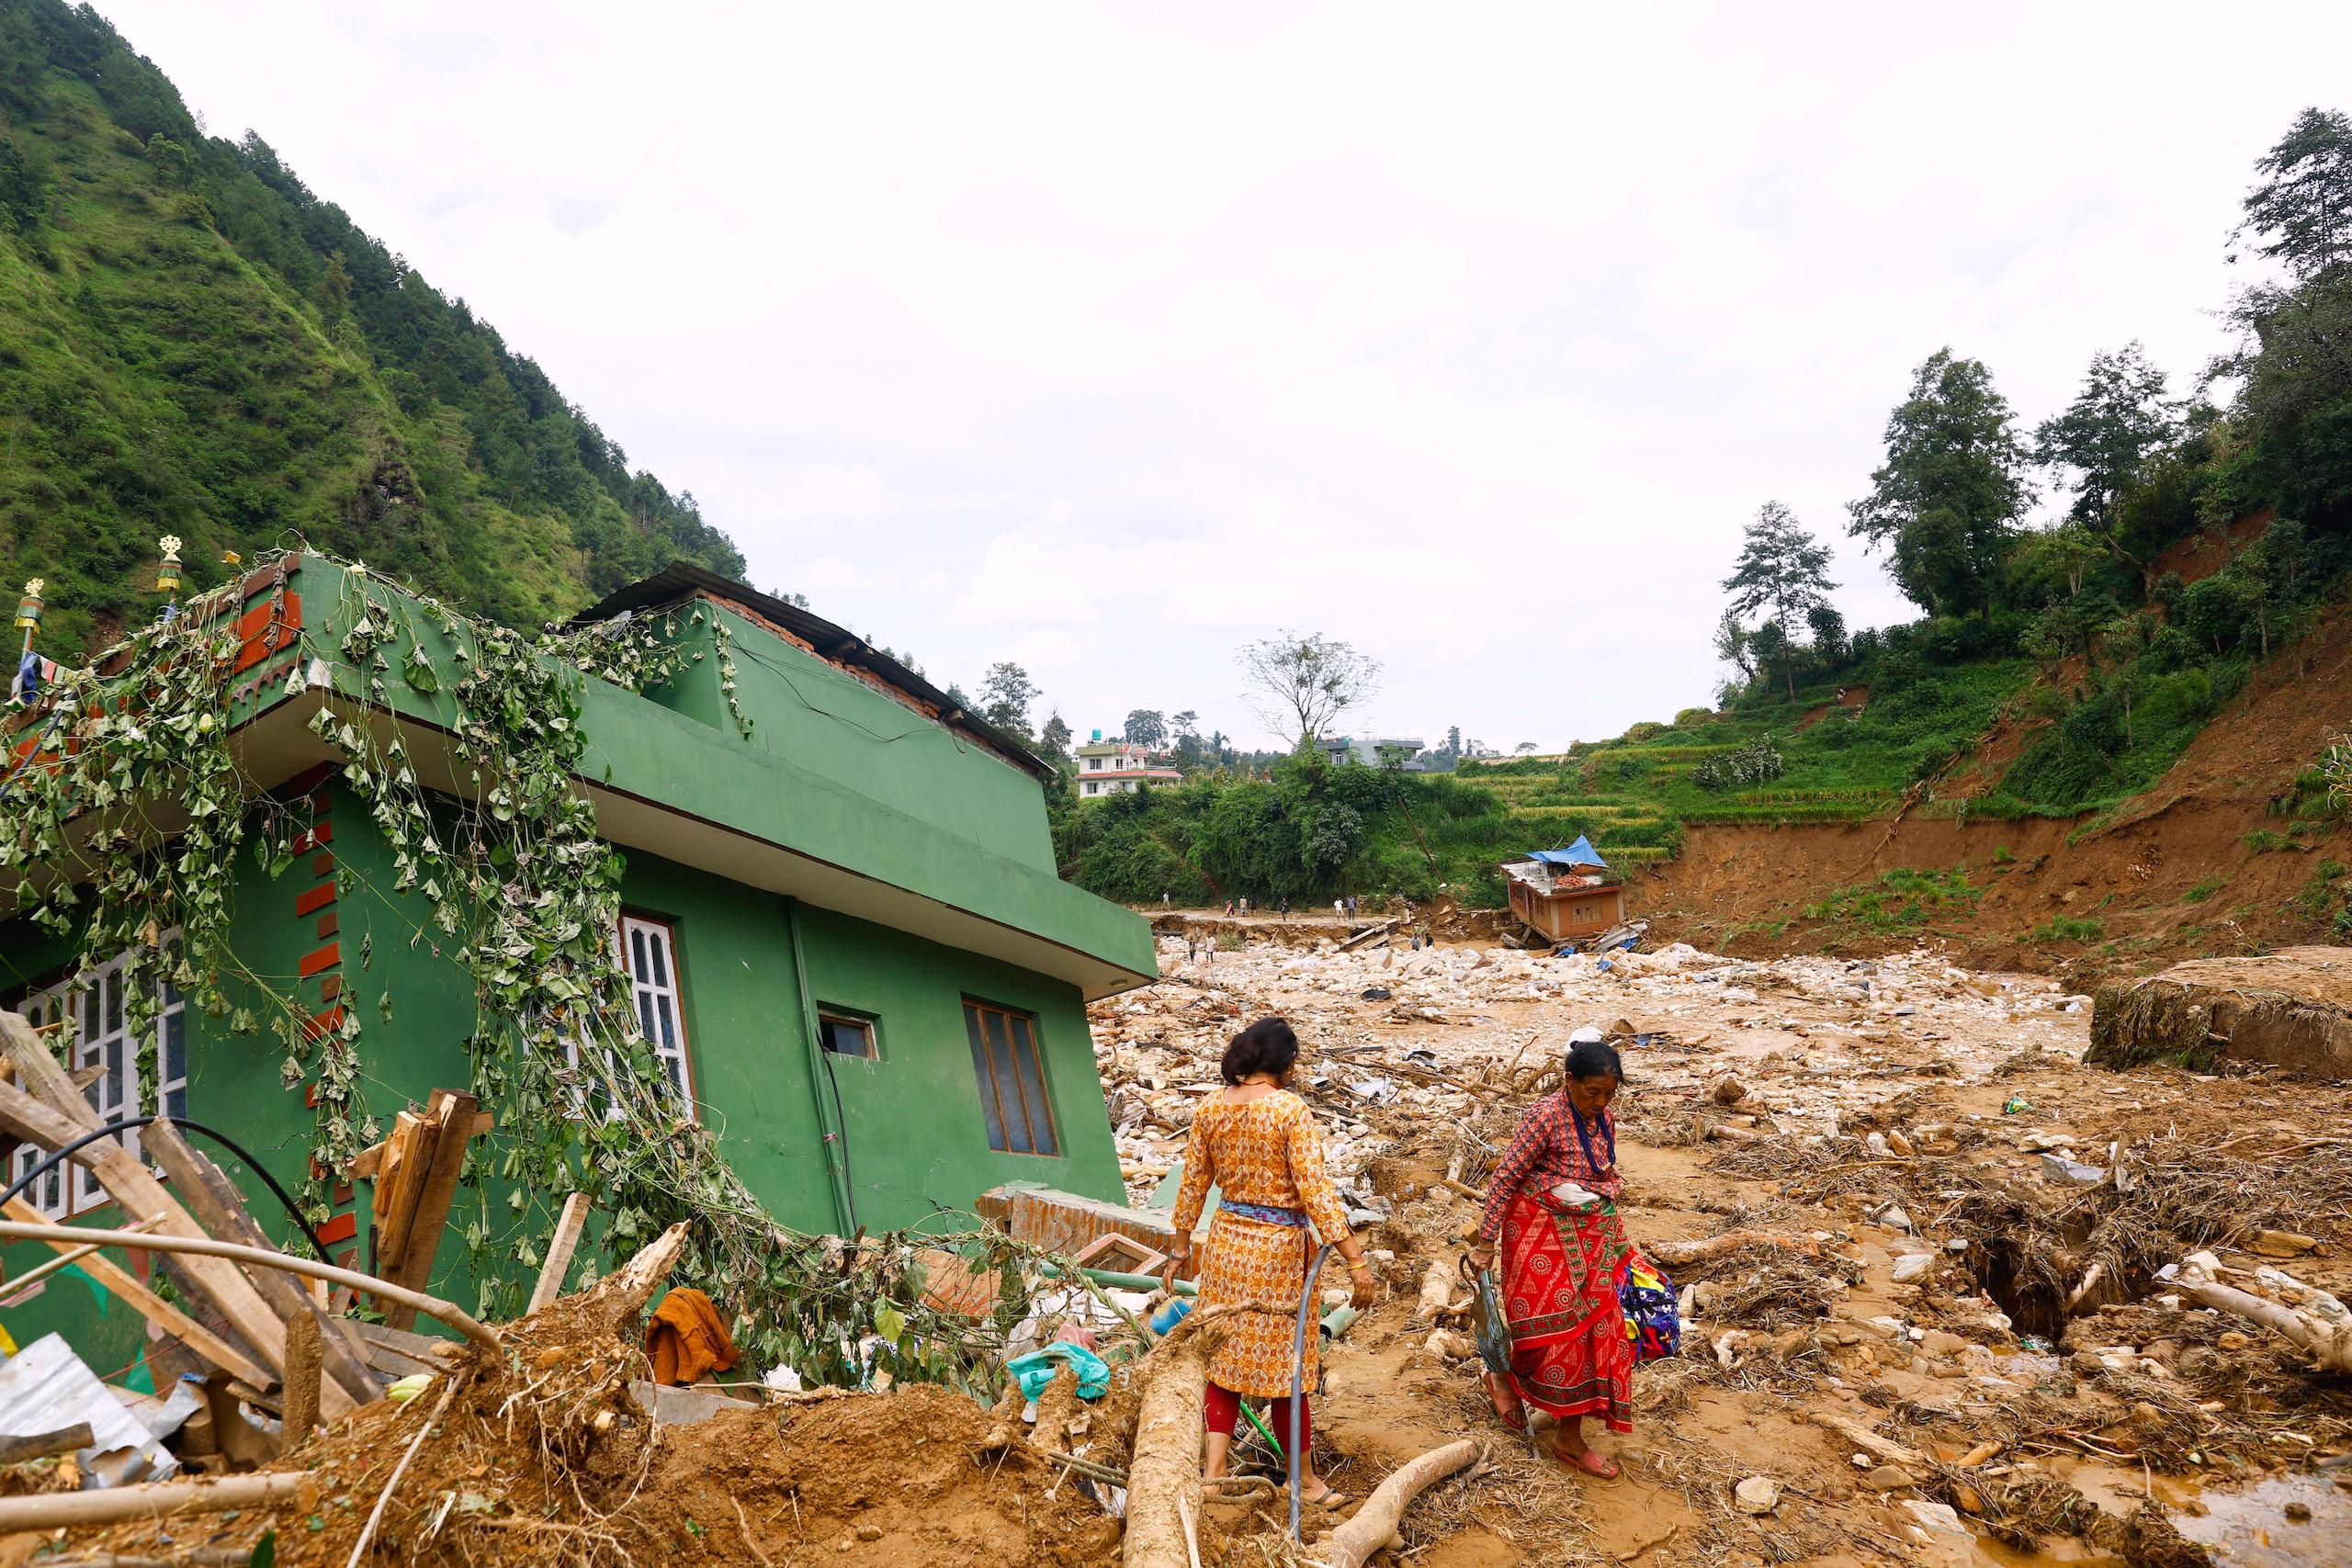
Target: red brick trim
(326, 957)
(343, 1227)
(317, 898)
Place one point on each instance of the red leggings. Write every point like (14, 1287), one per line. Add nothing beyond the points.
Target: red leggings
(1222, 1407)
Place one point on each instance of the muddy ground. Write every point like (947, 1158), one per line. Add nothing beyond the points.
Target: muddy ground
(1872, 1108)
(1948, 1340)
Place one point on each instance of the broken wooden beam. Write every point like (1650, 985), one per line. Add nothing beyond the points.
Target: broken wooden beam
(111, 1505)
(560, 1246)
(1364, 936)
(144, 1300)
(453, 1118)
(42, 1445)
(449, 1313)
(216, 1202)
(48, 1110)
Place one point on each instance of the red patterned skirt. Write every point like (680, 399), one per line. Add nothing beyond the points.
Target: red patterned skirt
(1569, 1352)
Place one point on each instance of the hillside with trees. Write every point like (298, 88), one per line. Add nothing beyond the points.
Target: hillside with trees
(193, 342)
(2195, 544)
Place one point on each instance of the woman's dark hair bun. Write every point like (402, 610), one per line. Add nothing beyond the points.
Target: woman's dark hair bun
(1595, 1059)
(1266, 1047)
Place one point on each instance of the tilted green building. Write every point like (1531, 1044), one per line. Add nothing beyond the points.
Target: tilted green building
(841, 927)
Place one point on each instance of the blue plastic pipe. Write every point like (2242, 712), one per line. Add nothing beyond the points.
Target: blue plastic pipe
(1299, 1377)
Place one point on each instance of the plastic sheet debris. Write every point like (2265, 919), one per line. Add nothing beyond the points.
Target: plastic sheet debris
(2073, 1172)
(46, 1386)
(1036, 1370)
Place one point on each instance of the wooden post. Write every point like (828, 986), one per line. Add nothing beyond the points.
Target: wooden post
(305, 1350)
(560, 1246)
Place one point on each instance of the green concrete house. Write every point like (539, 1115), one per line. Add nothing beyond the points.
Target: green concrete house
(842, 929)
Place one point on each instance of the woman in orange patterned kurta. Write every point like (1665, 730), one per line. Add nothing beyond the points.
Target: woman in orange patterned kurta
(1256, 1141)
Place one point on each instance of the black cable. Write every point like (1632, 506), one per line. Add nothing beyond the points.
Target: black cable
(35, 1174)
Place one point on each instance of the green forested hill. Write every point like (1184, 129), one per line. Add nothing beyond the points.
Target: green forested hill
(192, 343)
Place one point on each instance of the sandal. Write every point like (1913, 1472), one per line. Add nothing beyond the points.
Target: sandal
(1590, 1462)
(1330, 1497)
(1513, 1413)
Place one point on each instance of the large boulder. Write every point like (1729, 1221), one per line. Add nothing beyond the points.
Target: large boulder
(2291, 1009)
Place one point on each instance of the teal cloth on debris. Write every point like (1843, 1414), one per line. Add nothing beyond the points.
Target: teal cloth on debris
(1036, 1369)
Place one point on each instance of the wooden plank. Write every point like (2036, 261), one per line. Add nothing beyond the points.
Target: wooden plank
(452, 1114)
(215, 1200)
(560, 1246)
(399, 1183)
(131, 1184)
(149, 1305)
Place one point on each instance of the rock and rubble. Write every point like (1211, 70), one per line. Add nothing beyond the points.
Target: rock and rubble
(1951, 1308)
(1948, 1298)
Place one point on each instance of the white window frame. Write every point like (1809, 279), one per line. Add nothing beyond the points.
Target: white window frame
(70, 1190)
(648, 992)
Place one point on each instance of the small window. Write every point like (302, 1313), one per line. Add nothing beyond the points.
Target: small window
(846, 1033)
(1011, 1078)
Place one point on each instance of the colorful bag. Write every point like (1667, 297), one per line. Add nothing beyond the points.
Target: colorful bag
(1647, 1297)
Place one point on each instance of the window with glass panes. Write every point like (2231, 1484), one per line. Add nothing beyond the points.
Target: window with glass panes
(651, 956)
(647, 951)
(94, 1005)
(1012, 1080)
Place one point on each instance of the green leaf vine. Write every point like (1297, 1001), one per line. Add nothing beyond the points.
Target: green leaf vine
(125, 821)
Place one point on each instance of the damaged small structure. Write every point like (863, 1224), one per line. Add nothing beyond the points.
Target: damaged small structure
(2291, 1009)
(842, 927)
(1565, 895)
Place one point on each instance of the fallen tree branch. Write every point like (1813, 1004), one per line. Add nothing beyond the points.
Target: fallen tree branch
(2325, 1334)
(1883, 1448)
(205, 1246)
(1375, 1524)
(111, 1505)
(1683, 1254)
(1164, 1469)
(41, 1445)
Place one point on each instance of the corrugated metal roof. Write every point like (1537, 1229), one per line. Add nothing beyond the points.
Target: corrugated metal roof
(680, 580)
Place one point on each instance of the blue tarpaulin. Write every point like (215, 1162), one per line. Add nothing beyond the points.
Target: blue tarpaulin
(1581, 853)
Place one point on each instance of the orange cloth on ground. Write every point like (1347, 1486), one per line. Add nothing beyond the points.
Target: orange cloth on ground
(687, 1339)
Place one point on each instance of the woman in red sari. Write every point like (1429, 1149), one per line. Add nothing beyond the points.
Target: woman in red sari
(1551, 1217)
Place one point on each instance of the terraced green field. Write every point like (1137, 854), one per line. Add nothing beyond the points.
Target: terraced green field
(1634, 796)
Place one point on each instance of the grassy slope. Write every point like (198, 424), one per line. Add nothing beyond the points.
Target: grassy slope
(156, 379)
(1634, 795)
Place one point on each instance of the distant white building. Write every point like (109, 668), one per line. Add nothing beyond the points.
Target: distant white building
(1376, 751)
(1115, 767)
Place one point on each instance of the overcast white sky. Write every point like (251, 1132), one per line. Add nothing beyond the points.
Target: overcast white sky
(1106, 338)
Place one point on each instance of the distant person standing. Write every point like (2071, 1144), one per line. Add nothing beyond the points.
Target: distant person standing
(1163, 900)
(1285, 907)
(1228, 908)
(1338, 908)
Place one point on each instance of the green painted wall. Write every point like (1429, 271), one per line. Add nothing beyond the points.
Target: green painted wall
(840, 728)
(835, 770)
(917, 1143)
